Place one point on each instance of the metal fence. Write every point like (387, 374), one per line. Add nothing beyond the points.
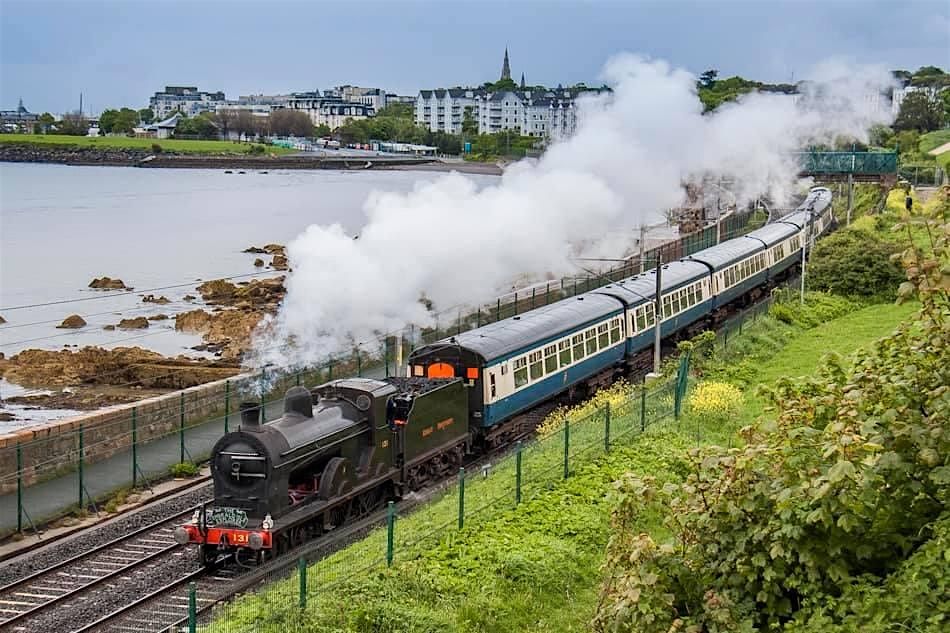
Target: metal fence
(78, 470)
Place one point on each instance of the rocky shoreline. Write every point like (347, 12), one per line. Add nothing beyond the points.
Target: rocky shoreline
(116, 157)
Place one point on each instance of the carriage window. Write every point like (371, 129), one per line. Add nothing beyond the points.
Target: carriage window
(650, 310)
(491, 379)
(578, 341)
(591, 337)
(536, 369)
(550, 359)
(521, 372)
(603, 337)
(615, 330)
(641, 318)
(565, 348)
(504, 369)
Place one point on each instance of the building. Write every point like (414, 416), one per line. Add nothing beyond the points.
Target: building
(394, 98)
(19, 119)
(443, 110)
(375, 98)
(185, 99)
(329, 110)
(547, 114)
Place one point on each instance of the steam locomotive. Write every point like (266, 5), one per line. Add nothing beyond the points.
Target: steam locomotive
(342, 449)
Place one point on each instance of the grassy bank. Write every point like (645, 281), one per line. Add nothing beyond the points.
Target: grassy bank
(123, 142)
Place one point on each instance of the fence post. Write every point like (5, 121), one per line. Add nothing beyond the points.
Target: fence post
(547, 293)
(263, 382)
(518, 473)
(498, 310)
(390, 529)
(192, 608)
(359, 361)
(297, 375)
(533, 290)
(181, 428)
(81, 458)
(643, 408)
(302, 573)
(461, 498)
(607, 427)
(567, 447)
(386, 354)
(478, 317)
(516, 303)
(135, 447)
(227, 403)
(19, 488)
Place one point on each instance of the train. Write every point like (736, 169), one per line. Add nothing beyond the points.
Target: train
(342, 449)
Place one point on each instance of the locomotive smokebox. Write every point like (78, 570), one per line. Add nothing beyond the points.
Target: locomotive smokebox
(250, 416)
(298, 400)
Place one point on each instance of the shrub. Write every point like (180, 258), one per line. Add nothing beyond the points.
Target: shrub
(183, 469)
(156, 148)
(855, 262)
(714, 403)
(256, 150)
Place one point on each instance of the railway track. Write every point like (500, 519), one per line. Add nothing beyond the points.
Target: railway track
(68, 592)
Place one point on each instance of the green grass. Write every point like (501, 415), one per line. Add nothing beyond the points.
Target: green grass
(124, 142)
(933, 140)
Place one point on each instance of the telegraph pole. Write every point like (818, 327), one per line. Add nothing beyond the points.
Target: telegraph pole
(658, 315)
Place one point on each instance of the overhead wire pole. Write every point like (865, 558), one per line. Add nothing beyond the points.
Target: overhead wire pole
(658, 314)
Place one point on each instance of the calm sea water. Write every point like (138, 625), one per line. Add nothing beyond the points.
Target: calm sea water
(61, 226)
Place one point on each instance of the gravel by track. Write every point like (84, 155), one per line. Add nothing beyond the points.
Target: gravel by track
(56, 552)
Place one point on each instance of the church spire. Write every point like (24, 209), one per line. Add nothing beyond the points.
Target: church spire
(522, 81)
(505, 67)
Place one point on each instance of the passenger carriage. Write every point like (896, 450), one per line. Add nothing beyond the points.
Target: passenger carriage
(512, 365)
(687, 296)
(783, 246)
(736, 267)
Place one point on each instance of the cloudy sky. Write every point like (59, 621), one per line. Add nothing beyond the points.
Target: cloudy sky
(119, 52)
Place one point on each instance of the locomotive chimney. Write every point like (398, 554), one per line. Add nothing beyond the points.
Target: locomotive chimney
(250, 416)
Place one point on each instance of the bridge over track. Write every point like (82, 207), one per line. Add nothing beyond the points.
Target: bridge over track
(848, 166)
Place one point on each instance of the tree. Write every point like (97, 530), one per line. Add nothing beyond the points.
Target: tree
(469, 124)
(107, 120)
(708, 78)
(321, 131)
(46, 120)
(201, 126)
(146, 115)
(855, 262)
(287, 122)
(919, 111)
(244, 123)
(225, 119)
(74, 124)
(125, 121)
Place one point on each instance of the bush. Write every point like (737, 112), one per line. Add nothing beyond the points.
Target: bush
(855, 262)
(256, 150)
(156, 148)
(183, 469)
(714, 403)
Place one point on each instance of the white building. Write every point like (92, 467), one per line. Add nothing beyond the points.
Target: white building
(185, 99)
(329, 110)
(443, 110)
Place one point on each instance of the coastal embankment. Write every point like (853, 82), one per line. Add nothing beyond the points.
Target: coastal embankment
(135, 157)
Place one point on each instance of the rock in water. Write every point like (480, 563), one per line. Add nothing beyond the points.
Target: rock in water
(257, 264)
(279, 262)
(107, 283)
(254, 249)
(2, 320)
(158, 317)
(162, 300)
(138, 323)
(108, 328)
(72, 322)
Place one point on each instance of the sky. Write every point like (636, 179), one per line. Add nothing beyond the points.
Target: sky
(117, 53)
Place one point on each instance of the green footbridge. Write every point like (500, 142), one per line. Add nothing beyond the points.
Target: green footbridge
(848, 166)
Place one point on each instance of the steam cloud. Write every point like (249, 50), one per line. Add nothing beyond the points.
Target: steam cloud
(455, 243)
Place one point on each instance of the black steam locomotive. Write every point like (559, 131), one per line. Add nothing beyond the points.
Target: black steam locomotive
(337, 453)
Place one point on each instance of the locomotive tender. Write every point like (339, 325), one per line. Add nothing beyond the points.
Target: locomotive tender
(342, 449)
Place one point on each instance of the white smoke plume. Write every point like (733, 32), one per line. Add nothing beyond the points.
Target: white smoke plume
(455, 243)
